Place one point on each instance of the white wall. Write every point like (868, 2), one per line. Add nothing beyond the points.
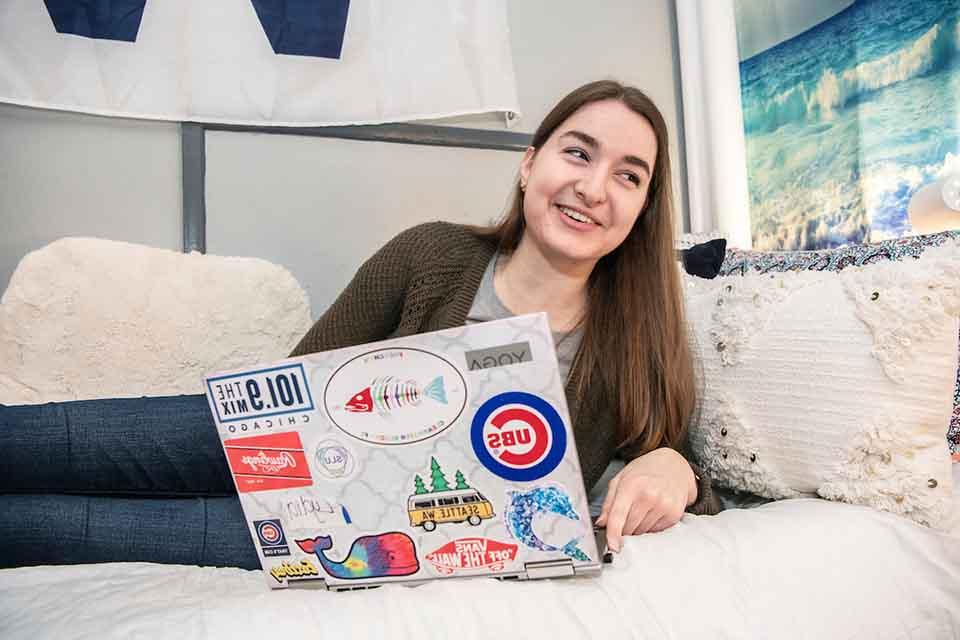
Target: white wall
(64, 174)
(318, 206)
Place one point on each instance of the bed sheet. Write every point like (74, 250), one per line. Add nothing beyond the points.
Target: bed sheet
(789, 569)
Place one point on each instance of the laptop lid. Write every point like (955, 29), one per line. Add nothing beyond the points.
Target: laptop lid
(444, 454)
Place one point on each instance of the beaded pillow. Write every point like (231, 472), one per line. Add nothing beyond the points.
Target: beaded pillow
(832, 384)
(739, 262)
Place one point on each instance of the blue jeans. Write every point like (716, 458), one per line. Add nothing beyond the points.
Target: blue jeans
(138, 479)
(76, 529)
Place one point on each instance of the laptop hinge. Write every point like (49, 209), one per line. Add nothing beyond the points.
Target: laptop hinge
(549, 569)
(347, 587)
(323, 584)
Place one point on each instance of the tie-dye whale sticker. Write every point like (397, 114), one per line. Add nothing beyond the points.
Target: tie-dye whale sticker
(545, 512)
(377, 556)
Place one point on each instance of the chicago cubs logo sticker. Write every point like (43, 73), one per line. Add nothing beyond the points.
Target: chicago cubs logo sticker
(518, 436)
(272, 540)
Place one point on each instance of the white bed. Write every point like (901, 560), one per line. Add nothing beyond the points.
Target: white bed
(789, 569)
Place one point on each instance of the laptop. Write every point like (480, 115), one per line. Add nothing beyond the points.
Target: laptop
(440, 455)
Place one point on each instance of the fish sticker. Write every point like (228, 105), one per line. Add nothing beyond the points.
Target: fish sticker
(523, 507)
(376, 556)
(388, 393)
(393, 396)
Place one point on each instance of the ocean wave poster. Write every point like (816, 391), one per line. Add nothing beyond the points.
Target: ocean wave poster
(849, 108)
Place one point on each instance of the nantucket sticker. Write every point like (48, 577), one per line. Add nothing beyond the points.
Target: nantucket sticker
(518, 436)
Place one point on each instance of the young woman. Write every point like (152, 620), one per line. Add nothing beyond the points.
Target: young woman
(588, 239)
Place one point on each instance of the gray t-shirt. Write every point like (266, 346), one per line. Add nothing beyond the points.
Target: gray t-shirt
(488, 306)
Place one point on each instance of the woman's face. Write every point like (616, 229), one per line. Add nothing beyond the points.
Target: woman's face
(585, 187)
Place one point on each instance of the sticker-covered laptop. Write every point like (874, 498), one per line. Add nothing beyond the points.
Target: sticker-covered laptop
(445, 454)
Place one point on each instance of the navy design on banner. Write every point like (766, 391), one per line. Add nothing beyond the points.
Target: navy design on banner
(304, 28)
(313, 29)
(99, 19)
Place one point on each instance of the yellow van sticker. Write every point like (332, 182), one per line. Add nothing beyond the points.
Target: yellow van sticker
(442, 503)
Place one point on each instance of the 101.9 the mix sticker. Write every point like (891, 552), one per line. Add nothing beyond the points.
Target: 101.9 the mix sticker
(261, 393)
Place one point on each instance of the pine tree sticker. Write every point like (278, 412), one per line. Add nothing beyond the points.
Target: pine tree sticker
(436, 476)
(461, 481)
(418, 487)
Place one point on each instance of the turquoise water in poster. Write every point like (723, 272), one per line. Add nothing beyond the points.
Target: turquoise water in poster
(845, 121)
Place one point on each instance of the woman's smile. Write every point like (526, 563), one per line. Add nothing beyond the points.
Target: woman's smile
(577, 219)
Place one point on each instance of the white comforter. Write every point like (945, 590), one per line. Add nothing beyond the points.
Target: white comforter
(792, 569)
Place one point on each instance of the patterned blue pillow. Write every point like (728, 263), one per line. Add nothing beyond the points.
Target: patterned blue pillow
(739, 262)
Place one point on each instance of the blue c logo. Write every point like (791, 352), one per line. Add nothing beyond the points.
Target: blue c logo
(518, 436)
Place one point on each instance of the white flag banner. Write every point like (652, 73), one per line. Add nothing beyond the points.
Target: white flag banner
(263, 62)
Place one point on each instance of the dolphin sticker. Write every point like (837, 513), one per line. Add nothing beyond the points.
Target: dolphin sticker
(377, 556)
(524, 506)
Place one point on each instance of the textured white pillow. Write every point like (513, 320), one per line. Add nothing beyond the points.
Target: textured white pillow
(832, 384)
(89, 318)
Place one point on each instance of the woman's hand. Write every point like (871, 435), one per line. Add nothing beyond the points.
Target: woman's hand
(649, 494)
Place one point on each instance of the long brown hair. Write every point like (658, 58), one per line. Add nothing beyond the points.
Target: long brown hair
(634, 341)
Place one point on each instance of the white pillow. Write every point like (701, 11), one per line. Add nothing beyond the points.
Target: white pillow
(90, 318)
(832, 384)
